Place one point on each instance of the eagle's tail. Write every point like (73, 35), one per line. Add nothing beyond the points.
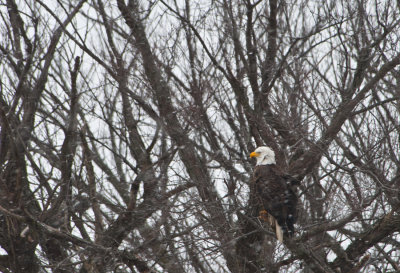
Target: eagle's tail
(278, 229)
(279, 232)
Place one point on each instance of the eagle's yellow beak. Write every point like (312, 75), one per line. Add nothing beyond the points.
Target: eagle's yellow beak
(254, 154)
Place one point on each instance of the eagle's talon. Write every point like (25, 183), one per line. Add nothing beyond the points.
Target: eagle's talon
(263, 215)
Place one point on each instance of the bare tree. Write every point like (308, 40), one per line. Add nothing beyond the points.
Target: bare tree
(126, 129)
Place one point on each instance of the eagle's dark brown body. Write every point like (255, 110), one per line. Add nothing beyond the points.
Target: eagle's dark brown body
(276, 195)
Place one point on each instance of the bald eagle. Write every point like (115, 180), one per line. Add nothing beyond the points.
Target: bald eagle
(275, 192)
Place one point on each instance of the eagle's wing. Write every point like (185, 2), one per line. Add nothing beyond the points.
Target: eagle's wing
(290, 180)
(276, 194)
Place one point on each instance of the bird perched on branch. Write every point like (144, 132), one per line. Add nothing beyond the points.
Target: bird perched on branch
(275, 192)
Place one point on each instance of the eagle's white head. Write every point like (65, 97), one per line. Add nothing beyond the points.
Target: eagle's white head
(264, 155)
